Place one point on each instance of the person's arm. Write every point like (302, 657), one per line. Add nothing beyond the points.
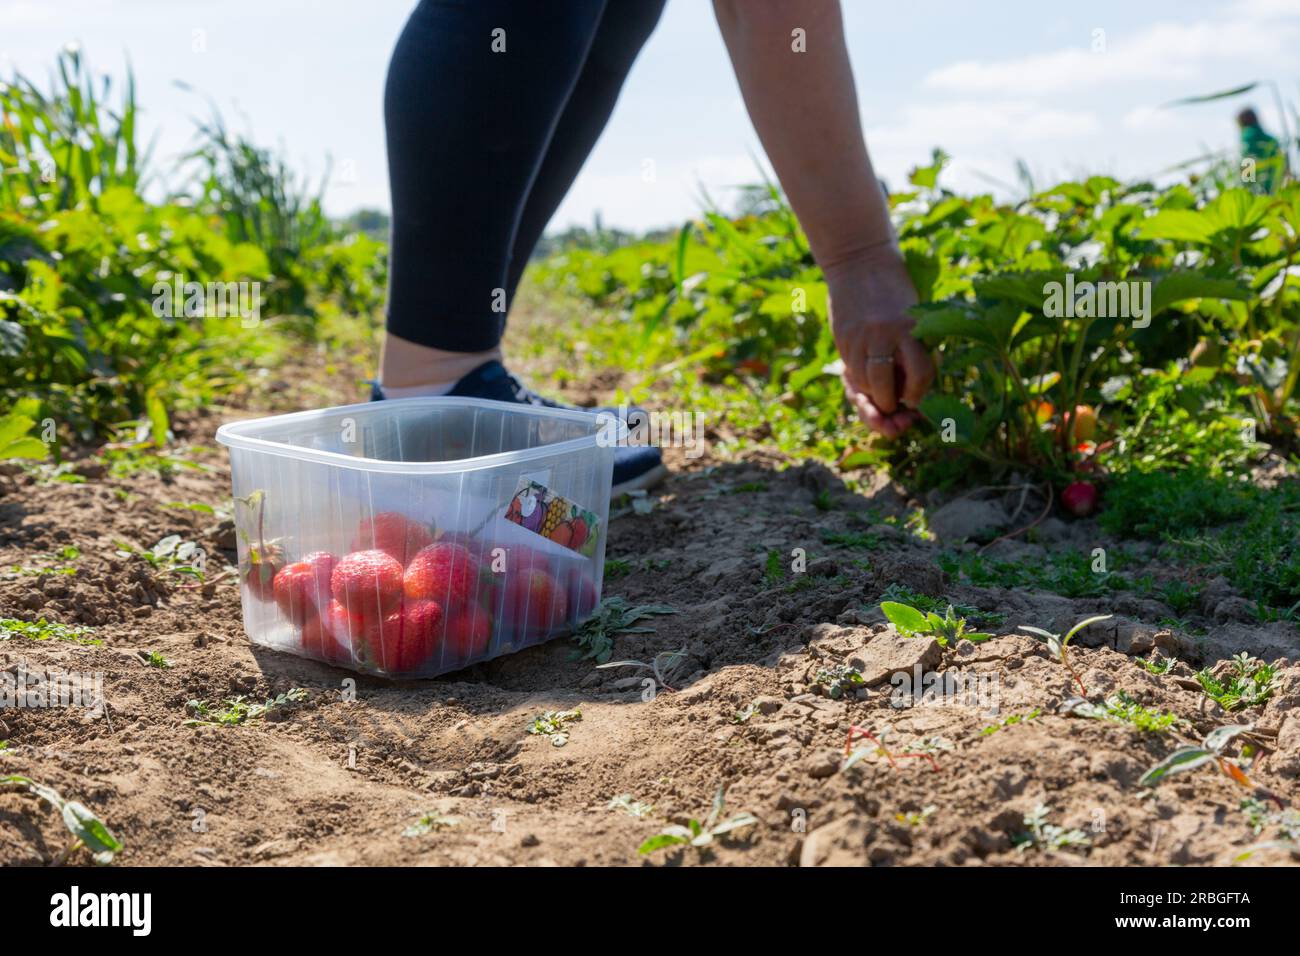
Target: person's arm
(805, 109)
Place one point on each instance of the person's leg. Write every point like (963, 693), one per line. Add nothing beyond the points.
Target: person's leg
(475, 91)
(624, 28)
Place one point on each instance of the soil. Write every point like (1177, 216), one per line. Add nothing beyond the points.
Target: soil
(339, 777)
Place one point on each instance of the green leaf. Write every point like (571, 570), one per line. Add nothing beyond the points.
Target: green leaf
(940, 409)
(1180, 761)
(1219, 738)
(90, 830)
(908, 620)
(662, 840)
(1181, 286)
(1082, 624)
(1179, 225)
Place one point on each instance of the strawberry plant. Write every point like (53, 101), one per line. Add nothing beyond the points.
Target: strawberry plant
(1249, 683)
(554, 725)
(1042, 835)
(239, 710)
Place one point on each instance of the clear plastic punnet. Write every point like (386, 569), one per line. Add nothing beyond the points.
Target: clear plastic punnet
(417, 536)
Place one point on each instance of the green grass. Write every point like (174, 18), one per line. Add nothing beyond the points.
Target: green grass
(43, 630)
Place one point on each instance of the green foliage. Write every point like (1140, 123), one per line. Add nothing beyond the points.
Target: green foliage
(1249, 683)
(87, 829)
(1042, 835)
(613, 616)
(1122, 708)
(699, 834)
(234, 711)
(43, 630)
(948, 629)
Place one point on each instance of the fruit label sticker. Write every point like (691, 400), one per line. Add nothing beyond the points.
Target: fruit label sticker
(541, 511)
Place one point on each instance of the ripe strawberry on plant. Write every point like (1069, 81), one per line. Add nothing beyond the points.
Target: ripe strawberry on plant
(367, 583)
(408, 637)
(444, 572)
(1079, 498)
(303, 588)
(393, 533)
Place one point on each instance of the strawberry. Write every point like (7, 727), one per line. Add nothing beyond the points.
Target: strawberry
(367, 583)
(408, 637)
(263, 559)
(319, 641)
(468, 634)
(443, 572)
(581, 591)
(534, 600)
(394, 533)
(303, 588)
(1079, 498)
(477, 548)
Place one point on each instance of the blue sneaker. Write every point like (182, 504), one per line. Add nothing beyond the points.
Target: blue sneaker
(636, 467)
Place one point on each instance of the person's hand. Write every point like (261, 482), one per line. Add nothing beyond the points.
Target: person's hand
(886, 370)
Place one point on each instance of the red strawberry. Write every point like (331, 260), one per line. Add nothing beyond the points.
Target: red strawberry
(534, 601)
(1079, 498)
(367, 583)
(408, 637)
(581, 593)
(477, 548)
(259, 571)
(443, 572)
(319, 641)
(394, 533)
(303, 588)
(468, 634)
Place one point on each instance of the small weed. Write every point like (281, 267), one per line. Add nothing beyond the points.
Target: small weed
(1260, 817)
(171, 555)
(43, 630)
(774, 569)
(947, 630)
(923, 602)
(823, 501)
(853, 756)
(698, 834)
(239, 710)
(851, 539)
(1011, 721)
(87, 829)
(626, 804)
(742, 716)
(663, 666)
(1180, 595)
(614, 616)
(1060, 646)
(617, 567)
(1249, 684)
(839, 680)
(1159, 666)
(1122, 708)
(554, 725)
(428, 823)
(1192, 757)
(155, 659)
(916, 819)
(1042, 835)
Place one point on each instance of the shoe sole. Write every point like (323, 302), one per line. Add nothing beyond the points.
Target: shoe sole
(647, 479)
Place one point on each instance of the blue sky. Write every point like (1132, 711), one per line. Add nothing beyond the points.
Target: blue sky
(988, 83)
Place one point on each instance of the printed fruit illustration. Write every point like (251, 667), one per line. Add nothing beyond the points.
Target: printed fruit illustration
(408, 637)
(443, 572)
(367, 583)
(556, 512)
(393, 533)
(1079, 498)
(563, 534)
(318, 638)
(581, 531)
(467, 634)
(1084, 424)
(302, 589)
(534, 601)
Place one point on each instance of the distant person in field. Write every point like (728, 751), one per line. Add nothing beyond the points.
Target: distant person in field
(1264, 149)
(492, 107)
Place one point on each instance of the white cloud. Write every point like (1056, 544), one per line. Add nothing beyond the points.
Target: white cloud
(1159, 53)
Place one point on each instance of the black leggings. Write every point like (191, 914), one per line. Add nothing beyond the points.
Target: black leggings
(483, 145)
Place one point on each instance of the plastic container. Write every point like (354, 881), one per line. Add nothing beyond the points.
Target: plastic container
(414, 537)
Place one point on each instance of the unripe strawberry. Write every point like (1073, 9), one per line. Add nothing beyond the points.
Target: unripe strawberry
(367, 583)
